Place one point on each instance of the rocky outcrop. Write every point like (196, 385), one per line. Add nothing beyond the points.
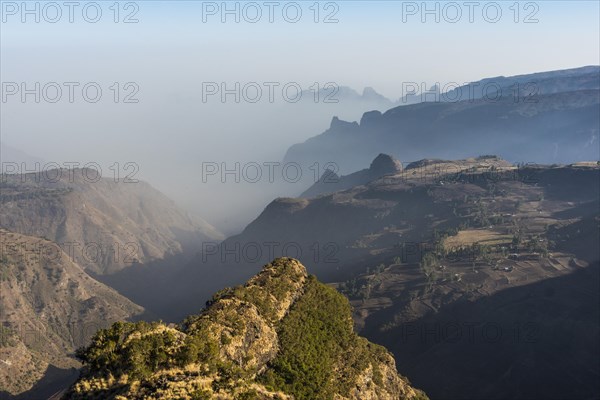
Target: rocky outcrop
(384, 164)
(260, 340)
(330, 182)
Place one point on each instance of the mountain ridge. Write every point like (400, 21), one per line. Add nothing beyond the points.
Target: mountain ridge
(108, 225)
(266, 339)
(521, 125)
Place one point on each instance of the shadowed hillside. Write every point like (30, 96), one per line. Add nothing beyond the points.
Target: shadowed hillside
(437, 242)
(48, 307)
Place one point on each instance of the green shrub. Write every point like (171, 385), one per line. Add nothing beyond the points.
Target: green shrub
(115, 350)
(316, 338)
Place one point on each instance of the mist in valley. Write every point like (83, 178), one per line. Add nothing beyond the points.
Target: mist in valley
(192, 91)
(198, 197)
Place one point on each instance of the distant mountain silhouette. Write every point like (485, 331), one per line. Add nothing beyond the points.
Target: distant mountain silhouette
(549, 117)
(341, 94)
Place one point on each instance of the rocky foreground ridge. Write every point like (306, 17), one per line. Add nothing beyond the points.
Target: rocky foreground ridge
(282, 335)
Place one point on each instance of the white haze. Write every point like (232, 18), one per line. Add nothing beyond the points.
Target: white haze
(171, 132)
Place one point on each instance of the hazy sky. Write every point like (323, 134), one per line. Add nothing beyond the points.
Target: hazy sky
(370, 45)
(170, 51)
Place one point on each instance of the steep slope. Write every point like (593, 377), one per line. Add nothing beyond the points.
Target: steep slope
(334, 229)
(536, 341)
(420, 251)
(557, 123)
(342, 231)
(105, 225)
(282, 335)
(48, 307)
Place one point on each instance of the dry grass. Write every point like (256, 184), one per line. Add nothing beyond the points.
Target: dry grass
(472, 236)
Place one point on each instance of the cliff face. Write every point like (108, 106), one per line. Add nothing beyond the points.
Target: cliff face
(48, 307)
(104, 225)
(282, 335)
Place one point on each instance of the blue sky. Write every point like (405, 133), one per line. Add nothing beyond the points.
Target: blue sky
(369, 46)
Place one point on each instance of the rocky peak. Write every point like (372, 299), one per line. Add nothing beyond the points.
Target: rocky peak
(385, 164)
(329, 176)
(330, 182)
(338, 124)
(369, 118)
(282, 335)
(370, 93)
